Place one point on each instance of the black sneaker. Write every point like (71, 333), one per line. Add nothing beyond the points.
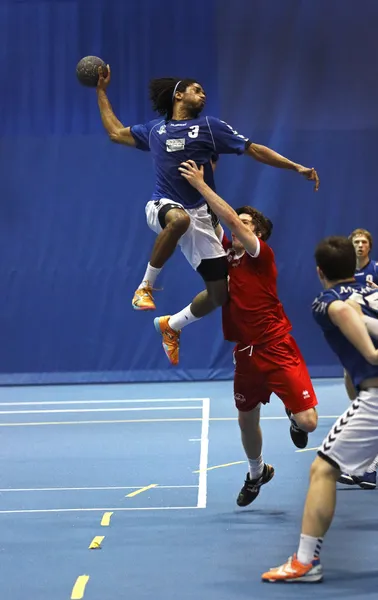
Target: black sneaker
(346, 479)
(298, 436)
(251, 487)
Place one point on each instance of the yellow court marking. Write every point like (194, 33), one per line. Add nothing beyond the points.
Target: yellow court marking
(96, 542)
(308, 449)
(143, 489)
(79, 587)
(239, 462)
(105, 521)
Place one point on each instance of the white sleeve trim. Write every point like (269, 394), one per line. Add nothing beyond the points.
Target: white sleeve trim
(258, 248)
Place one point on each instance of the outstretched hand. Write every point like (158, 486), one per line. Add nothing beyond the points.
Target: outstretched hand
(103, 82)
(311, 175)
(192, 173)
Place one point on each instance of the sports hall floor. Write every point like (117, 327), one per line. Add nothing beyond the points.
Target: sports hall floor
(154, 470)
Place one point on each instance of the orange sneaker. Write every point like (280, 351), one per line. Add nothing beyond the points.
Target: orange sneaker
(143, 299)
(294, 571)
(171, 339)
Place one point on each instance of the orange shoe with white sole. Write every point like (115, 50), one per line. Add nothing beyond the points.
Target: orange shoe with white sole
(171, 339)
(143, 299)
(294, 571)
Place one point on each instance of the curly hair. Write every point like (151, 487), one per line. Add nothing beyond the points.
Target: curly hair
(161, 93)
(263, 225)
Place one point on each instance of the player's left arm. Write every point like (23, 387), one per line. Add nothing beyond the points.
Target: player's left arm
(227, 140)
(224, 211)
(270, 157)
(347, 319)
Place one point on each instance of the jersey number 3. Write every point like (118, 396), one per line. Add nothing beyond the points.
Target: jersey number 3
(193, 131)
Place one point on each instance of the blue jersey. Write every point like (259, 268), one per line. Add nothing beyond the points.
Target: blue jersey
(352, 361)
(174, 142)
(368, 274)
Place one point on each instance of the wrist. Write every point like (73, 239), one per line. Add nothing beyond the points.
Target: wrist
(201, 187)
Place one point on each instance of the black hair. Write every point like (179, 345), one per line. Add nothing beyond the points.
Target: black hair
(336, 258)
(263, 225)
(161, 93)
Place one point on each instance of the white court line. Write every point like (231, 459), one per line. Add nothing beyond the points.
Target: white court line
(95, 410)
(122, 421)
(79, 489)
(68, 510)
(117, 401)
(202, 488)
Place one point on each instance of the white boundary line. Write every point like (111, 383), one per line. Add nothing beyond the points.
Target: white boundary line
(106, 401)
(122, 421)
(96, 410)
(204, 454)
(68, 510)
(79, 489)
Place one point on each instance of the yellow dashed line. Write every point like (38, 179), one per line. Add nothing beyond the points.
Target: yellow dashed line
(105, 521)
(96, 542)
(79, 587)
(239, 462)
(143, 489)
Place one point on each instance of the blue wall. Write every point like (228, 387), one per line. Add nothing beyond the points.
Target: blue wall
(299, 76)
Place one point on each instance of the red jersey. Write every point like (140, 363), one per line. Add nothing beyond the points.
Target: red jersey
(253, 315)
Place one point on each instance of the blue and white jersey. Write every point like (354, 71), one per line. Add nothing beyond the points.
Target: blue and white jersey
(368, 274)
(174, 142)
(352, 361)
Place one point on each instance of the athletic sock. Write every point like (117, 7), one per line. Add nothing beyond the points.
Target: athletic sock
(309, 547)
(256, 467)
(149, 277)
(374, 466)
(182, 318)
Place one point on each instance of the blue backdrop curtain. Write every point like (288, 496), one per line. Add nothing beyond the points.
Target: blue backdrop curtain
(298, 76)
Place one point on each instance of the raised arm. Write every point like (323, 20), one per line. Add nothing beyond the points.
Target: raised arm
(270, 157)
(352, 326)
(116, 130)
(224, 211)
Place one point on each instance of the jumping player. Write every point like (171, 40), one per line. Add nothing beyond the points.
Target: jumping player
(352, 442)
(176, 211)
(267, 358)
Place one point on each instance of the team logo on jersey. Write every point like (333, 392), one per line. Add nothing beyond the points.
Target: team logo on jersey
(175, 145)
(162, 130)
(239, 398)
(305, 394)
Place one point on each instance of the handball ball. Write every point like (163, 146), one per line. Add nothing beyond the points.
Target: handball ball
(87, 70)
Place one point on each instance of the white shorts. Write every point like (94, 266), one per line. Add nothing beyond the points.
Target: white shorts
(352, 443)
(200, 241)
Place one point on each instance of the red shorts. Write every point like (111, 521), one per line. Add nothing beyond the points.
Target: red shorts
(277, 368)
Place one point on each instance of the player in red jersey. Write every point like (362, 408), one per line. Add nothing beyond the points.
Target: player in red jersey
(267, 358)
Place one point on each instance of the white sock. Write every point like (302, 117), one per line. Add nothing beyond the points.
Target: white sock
(256, 467)
(374, 466)
(309, 547)
(182, 318)
(149, 276)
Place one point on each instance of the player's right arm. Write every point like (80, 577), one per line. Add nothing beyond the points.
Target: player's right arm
(353, 328)
(116, 130)
(224, 211)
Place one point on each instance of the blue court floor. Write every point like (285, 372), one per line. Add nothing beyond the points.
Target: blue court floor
(148, 474)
